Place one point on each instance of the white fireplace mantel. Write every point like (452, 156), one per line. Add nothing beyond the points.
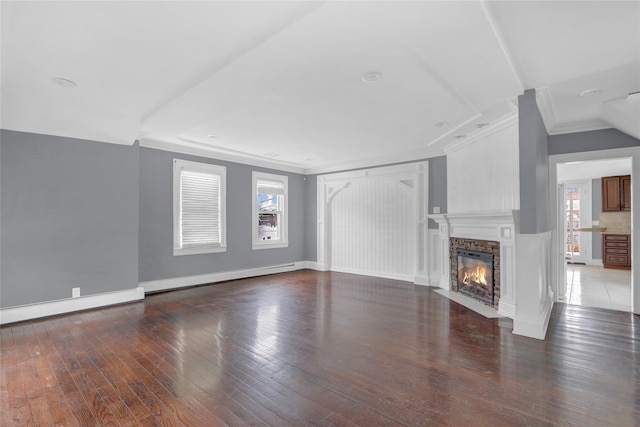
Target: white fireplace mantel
(500, 226)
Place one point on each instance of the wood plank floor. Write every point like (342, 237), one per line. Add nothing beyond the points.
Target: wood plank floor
(313, 348)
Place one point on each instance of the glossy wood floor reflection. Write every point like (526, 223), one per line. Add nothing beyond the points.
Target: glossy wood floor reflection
(312, 348)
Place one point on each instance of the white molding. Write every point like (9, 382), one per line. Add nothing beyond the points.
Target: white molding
(211, 153)
(545, 106)
(69, 305)
(582, 126)
(534, 327)
(503, 45)
(202, 279)
(535, 297)
(503, 123)
(400, 277)
(377, 162)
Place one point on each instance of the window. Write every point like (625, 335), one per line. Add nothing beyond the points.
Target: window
(269, 211)
(199, 215)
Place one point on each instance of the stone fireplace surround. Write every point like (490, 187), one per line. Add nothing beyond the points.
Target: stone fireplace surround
(495, 226)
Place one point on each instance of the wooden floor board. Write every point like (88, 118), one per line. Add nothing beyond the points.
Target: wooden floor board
(317, 348)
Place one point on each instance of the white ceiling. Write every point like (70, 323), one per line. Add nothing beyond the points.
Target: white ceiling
(279, 83)
(575, 171)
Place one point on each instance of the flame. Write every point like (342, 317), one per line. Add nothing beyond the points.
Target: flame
(478, 276)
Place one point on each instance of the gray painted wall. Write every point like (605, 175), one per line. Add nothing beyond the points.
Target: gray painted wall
(534, 167)
(437, 186)
(156, 221)
(590, 141)
(311, 218)
(596, 209)
(69, 217)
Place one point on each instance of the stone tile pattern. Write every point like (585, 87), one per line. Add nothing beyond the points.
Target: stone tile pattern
(476, 245)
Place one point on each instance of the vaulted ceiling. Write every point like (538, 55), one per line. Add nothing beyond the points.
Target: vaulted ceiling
(314, 86)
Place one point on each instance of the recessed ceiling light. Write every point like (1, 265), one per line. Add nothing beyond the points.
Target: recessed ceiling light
(371, 76)
(63, 82)
(459, 136)
(589, 92)
(441, 124)
(211, 136)
(482, 125)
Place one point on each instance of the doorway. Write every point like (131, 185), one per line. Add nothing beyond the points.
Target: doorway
(582, 279)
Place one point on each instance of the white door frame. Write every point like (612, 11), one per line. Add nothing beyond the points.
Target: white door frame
(557, 271)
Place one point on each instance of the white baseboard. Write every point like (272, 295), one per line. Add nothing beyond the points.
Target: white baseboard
(52, 308)
(401, 277)
(202, 279)
(312, 265)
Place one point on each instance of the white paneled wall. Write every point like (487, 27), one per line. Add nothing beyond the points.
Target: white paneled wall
(483, 175)
(374, 222)
(373, 228)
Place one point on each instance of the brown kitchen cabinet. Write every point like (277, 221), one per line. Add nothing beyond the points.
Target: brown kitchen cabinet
(616, 193)
(616, 251)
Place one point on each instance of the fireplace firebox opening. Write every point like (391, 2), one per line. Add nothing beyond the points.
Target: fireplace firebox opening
(475, 274)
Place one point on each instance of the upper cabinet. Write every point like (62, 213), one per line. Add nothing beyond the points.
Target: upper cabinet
(616, 193)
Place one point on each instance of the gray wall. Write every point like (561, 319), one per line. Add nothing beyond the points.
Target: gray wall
(437, 186)
(311, 218)
(596, 209)
(156, 221)
(534, 167)
(69, 217)
(590, 141)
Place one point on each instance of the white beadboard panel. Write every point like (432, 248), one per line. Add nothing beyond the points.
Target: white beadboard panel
(484, 175)
(373, 228)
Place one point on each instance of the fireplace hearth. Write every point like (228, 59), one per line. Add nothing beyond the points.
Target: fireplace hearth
(475, 274)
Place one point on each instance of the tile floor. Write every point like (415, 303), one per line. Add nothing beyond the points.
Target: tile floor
(592, 286)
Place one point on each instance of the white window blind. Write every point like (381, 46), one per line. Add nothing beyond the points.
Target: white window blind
(270, 187)
(199, 208)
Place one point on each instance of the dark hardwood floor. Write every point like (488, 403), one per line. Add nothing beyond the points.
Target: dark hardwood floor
(312, 348)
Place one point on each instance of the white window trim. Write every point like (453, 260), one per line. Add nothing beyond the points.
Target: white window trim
(283, 242)
(178, 165)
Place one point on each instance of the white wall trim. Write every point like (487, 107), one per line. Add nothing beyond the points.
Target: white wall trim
(497, 126)
(399, 277)
(202, 279)
(534, 327)
(211, 153)
(69, 305)
(545, 105)
(534, 297)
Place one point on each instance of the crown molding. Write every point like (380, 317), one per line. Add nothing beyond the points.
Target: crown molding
(404, 157)
(201, 151)
(582, 126)
(496, 126)
(545, 105)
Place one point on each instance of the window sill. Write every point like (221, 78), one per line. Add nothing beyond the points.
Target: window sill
(199, 250)
(258, 246)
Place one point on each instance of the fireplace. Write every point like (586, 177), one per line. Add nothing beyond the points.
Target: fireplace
(475, 274)
(475, 269)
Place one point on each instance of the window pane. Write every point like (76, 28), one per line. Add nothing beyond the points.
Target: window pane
(268, 202)
(268, 226)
